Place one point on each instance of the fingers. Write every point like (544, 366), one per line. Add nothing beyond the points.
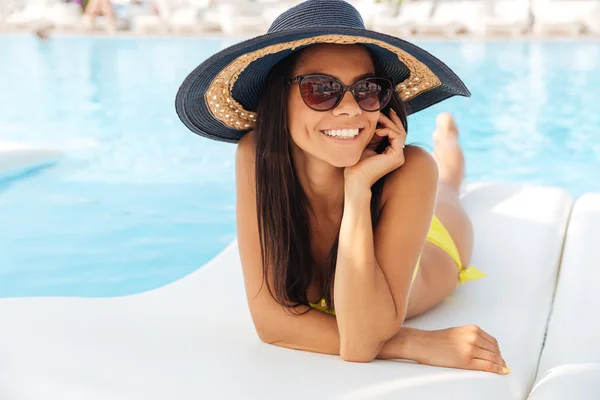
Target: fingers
(487, 366)
(488, 355)
(396, 141)
(489, 339)
(487, 349)
(389, 132)
(392, 122)
(395, 124)
(480, 341)
(480, 336)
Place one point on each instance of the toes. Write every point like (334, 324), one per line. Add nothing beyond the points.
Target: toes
(445, 125)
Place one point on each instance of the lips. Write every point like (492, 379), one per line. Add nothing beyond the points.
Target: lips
(342, 132)
(343, 135)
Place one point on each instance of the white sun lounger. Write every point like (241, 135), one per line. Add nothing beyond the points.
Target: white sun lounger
(65, 15)
(193, 16)
(507, 17)
(271, 9)
(451, 18)
(145, 20)
(410, 15)
(570, 363)
(242, 18)
(564, 17)
(8, 7)
(591, 20)
(32, 13)
(370, 10)
(195, 338)
(17, 158)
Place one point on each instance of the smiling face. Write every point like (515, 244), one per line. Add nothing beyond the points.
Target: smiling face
(311, 131)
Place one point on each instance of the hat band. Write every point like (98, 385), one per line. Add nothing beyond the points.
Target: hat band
(229, 112)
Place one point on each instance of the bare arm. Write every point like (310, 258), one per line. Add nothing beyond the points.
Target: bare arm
(374, 269)
(315, 331)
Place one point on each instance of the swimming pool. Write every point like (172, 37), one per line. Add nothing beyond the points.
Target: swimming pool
(138, 201)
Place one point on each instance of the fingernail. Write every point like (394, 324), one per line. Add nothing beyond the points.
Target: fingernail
(392, 110)
(506, 371)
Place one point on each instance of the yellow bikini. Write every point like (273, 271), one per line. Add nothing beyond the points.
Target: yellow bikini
(439, 236)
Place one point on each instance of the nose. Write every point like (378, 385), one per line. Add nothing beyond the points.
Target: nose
(348, 106)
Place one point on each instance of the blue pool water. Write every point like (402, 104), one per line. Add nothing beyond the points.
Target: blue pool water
(138, 201)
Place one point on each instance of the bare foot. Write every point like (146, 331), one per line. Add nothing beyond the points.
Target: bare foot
(447, 152)
(42, 33)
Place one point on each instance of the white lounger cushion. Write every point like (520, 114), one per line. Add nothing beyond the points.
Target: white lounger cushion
(194, 338)
(16, 158)
(570, 363)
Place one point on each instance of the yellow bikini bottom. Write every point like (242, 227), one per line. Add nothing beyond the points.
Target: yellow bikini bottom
(439, 236)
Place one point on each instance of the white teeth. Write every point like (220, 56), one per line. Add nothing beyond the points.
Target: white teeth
(345, 133)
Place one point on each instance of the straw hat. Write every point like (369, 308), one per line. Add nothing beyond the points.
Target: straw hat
(218, 99)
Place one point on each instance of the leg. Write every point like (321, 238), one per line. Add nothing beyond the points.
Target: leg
(109, 13)
(438, 274)
(90, 14)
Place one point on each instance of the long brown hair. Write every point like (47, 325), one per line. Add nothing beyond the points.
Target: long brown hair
(283, 223)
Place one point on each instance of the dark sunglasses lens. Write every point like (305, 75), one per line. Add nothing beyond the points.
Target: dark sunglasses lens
(372, 94)
(320, 92)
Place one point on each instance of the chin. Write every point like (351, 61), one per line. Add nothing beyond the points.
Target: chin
(342, 162)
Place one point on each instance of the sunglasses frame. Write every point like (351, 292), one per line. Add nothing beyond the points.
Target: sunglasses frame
(345, 89)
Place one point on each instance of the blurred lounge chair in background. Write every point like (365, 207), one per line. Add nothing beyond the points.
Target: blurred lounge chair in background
(560, 16)
(8, 7)
(151, 17)
(271, 9)
(410, 15)
(507, 17)
(371, 10)
(238, 17)
(592, 19)
(65, 16)
(32, 13)
(451, 18)
(193, 16)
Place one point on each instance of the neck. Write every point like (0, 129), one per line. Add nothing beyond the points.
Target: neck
(323, 185)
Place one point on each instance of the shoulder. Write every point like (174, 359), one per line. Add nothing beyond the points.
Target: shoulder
(246, 147)
(244, 167)
(419, 173)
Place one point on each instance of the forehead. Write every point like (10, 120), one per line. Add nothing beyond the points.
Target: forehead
(335, 59)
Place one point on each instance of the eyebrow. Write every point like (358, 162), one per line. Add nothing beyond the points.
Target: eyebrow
(356, 78)
(363, 76)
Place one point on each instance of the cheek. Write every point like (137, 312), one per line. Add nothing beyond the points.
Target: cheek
(373, 119)
(301, 119)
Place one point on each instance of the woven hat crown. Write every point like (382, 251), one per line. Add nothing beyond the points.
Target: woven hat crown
(318, 13)
(219, 98)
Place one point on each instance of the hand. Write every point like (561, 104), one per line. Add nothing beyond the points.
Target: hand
(372, 166)
(465, 347)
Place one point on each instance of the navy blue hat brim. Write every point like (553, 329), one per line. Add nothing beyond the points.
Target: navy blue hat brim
(193, 111)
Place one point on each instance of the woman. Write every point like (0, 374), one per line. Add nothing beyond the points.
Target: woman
(344, 232)
(100, 8)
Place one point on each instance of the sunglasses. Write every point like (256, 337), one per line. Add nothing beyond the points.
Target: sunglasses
(324, 93)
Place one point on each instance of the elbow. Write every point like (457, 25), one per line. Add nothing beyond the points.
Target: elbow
(359, 352)
(264, 333)
(365, 348)
(265, 336)
(357, 357)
